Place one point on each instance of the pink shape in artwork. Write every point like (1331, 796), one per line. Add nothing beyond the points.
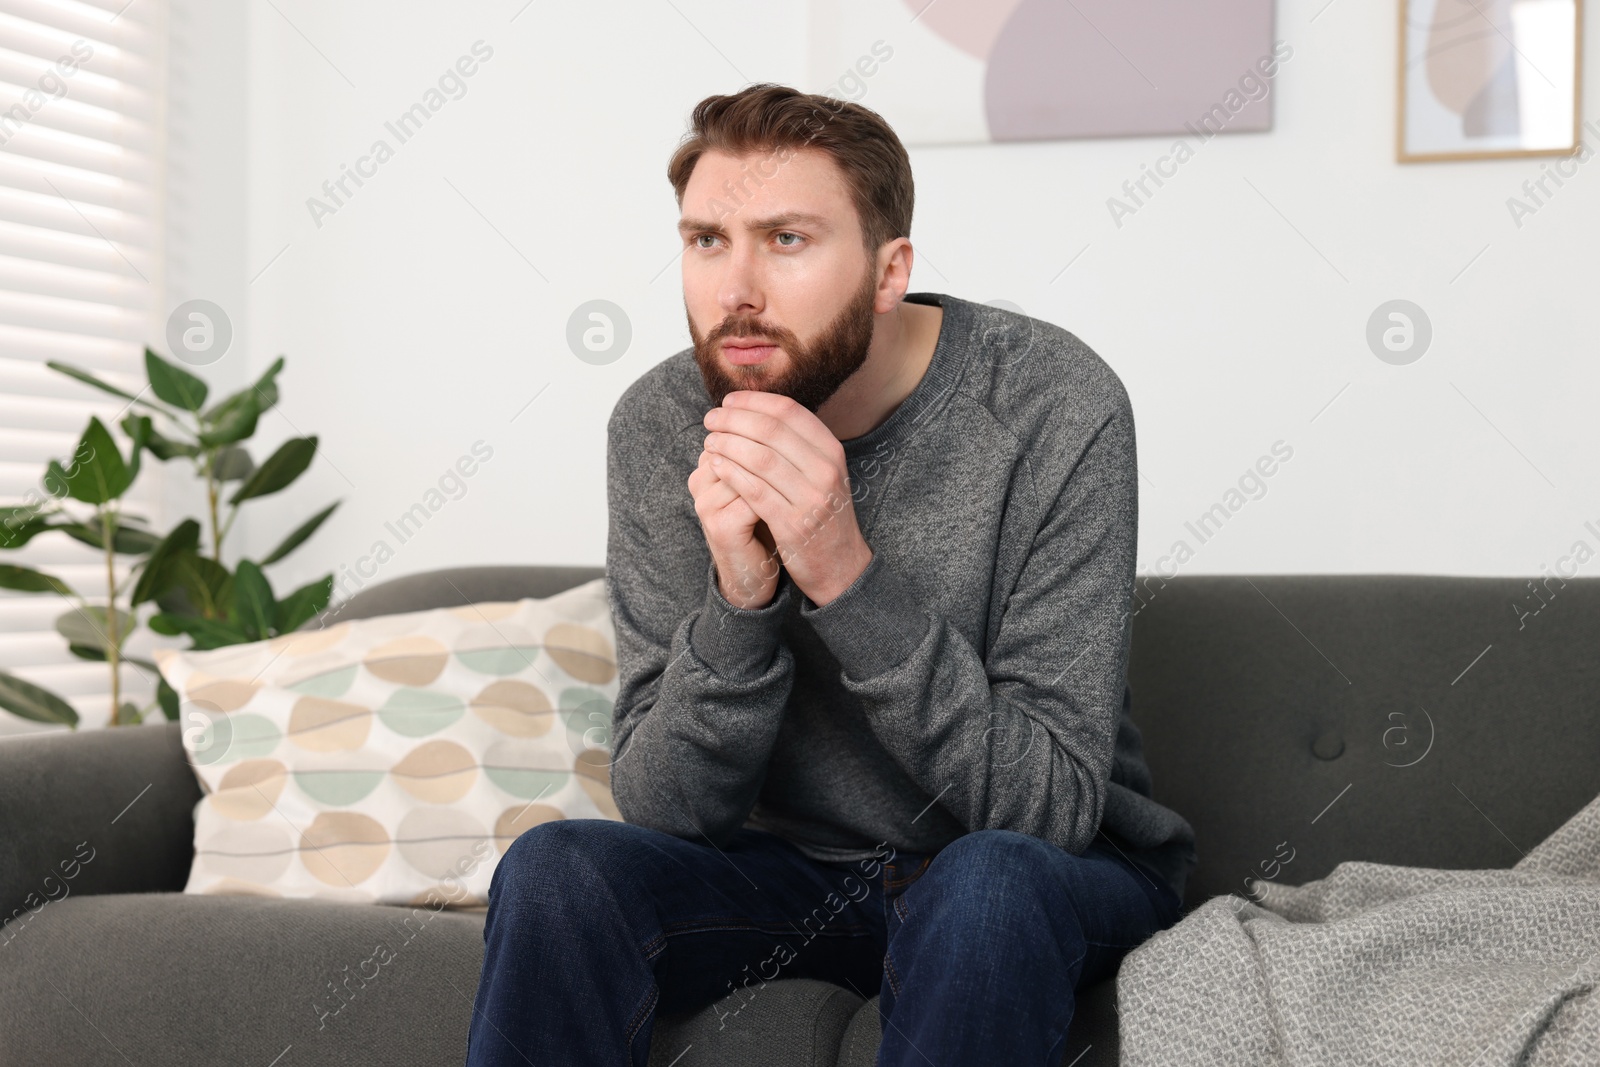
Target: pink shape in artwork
(970, 25)
(1099, 68)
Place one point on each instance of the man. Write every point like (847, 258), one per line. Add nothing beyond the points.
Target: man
(870, 562)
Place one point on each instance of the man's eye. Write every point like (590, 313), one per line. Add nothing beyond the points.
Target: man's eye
(699, 237)
(785, 244)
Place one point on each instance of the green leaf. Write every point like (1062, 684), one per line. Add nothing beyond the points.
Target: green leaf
(264, 392)
(155, 442)
(205, 583)
(138, 428)
(281, 468)
(33, 702)
(157, 575)
(88, 379)
(97, 472)
(206, 633)
(163, 447)
(236, 423)
(174, 601)
(133, 540)
(253, 604)
(128, 541)
(233, 464)
(266, 387)
(167, 697)
(28, 580)
(91, 627)
(130, 714)
(173, 384)
(303, 531)
(303, 604)
(85, 652)
(20, 524)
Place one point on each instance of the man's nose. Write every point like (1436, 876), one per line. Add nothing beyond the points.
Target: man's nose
(741, 290)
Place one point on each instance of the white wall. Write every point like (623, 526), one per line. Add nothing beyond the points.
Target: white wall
(207, 188)
(413, 327)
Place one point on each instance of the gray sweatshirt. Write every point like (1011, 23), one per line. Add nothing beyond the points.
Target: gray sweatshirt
(973, 677)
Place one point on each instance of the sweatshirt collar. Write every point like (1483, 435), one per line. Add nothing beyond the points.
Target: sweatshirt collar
(938, 381)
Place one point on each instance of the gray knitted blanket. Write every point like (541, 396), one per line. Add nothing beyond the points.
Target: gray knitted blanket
(1376, 964)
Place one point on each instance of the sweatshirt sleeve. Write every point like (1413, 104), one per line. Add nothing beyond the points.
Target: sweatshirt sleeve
(1023, 738)
(701, 684)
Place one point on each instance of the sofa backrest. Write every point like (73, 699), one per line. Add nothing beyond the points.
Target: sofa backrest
(452, 586)
(1299, 721)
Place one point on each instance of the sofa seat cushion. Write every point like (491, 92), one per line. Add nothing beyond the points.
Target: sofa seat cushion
(182, 979)
(790, 1022)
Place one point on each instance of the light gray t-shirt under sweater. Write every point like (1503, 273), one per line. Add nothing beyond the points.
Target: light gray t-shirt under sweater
(973, 677)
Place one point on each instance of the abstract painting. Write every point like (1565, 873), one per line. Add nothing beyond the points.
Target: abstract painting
(1484, 79)
(963, 71)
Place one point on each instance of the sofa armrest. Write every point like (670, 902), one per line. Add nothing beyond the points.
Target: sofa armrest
(101, 811)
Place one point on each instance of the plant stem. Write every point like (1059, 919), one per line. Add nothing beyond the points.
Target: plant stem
(232, 514)
(113, 640)
(211, 498)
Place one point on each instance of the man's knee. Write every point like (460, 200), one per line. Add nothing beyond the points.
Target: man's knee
(1002, 875)
(552, 858)
(982, 854)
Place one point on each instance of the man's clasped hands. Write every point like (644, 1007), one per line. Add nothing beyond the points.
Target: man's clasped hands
(771, 489)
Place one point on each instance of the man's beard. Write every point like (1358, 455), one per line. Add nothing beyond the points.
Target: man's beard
(815, 371)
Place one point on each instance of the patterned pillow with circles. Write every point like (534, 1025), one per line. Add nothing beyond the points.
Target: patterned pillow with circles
(394, 759)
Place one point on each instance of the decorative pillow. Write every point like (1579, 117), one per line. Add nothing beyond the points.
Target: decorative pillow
(393, 760)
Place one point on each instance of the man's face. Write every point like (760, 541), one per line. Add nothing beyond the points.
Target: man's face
(779, 290)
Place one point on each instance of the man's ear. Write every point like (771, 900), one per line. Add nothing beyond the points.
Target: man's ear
(894, 263)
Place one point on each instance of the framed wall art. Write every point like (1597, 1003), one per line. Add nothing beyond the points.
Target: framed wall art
(976, 71)
(1488, 79)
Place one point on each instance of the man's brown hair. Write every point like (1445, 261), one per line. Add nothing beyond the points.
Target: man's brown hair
(777, 120)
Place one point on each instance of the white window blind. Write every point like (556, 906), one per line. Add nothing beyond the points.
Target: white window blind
(82, 106)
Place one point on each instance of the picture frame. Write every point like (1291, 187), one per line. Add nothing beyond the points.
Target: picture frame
(946, 72)
(1488, 79)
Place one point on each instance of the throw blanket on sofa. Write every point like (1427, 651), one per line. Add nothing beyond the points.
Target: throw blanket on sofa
(1376, 964)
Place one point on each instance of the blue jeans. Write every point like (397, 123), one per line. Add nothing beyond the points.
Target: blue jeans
(595, 926)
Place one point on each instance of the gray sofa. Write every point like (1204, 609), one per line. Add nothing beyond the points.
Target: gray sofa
(1296, 721)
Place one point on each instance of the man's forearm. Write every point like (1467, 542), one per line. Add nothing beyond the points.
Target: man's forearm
(691, 745)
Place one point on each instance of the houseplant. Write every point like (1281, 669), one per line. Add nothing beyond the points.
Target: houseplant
(183, 573)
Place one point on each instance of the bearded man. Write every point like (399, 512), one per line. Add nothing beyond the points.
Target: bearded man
(870, 563)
